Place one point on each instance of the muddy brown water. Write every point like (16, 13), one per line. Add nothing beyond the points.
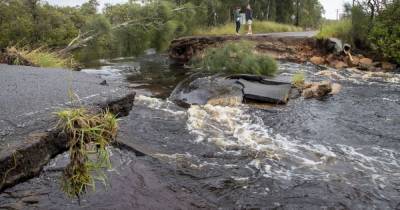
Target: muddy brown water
(341, 152)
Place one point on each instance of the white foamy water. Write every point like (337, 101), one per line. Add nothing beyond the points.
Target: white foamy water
(359, 77)
(237, 131)
(282, 157)
(233, 128)
(158, 104)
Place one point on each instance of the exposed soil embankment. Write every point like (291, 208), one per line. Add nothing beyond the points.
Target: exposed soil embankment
(297, 49)
(292, 48)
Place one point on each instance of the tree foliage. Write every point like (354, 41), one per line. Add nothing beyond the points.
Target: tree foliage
(376, 26)
(385, 34)
(369, 25)
(128, 29)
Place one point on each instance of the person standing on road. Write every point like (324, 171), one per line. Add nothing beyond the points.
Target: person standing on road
(237, 19)
(249, 19)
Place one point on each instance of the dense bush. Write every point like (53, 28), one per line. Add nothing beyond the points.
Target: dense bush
(359, 28)
(236, 57)
(127, 29)
(379, 31)
(385, 34)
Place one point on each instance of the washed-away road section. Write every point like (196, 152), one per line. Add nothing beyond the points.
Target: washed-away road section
(289, 46)
(29, 97)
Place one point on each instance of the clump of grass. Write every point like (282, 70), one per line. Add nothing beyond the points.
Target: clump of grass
(45, 58)
(338, 29)
(236, 57)
(40, 57)
(298, 80)
(258, 27)
(88, 137)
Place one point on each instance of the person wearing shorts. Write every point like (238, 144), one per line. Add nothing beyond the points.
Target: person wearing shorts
(249, 19)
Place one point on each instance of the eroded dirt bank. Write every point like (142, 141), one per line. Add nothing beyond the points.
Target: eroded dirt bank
(298, 47)
(283, 47)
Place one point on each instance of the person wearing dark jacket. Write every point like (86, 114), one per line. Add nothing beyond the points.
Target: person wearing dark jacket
(237, 19)
(249, 19)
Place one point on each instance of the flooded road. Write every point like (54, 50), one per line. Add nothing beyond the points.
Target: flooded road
(341, 152)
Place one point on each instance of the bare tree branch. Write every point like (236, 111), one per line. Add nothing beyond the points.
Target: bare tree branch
(83, 38)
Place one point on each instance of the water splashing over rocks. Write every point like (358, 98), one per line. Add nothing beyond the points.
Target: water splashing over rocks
(339, 152)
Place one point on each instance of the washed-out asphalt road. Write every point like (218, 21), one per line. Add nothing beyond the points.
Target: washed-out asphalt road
(29, 96)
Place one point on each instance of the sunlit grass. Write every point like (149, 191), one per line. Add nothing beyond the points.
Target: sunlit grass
(46, 58)
(338, 29)
(258, 27)
(88, 137)
(298, 80)
(42, 58)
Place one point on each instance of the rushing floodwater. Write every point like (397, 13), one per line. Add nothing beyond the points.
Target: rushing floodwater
(342, 152)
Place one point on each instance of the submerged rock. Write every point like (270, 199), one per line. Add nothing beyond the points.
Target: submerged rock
(386, 66)
(308, 93)
(230, 91)
(366, 61)
(365, 64)
(341, 65)
(212, 89)
(317, 89)
(317, 60)
(336, 88)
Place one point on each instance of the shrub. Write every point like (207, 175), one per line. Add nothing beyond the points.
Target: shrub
(88, 137)
(360, 25)
(385, 34)
(236, 57)
(298, 80)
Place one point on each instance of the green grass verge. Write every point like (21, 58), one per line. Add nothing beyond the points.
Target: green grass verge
(298, 80)
(39, 57)
(46, 58)
(258, 27)
(338, 29)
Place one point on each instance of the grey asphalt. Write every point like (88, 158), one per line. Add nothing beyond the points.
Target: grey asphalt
(271, 93)
(29, 97)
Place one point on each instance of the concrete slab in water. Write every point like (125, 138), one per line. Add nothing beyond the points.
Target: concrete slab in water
(266, 91)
